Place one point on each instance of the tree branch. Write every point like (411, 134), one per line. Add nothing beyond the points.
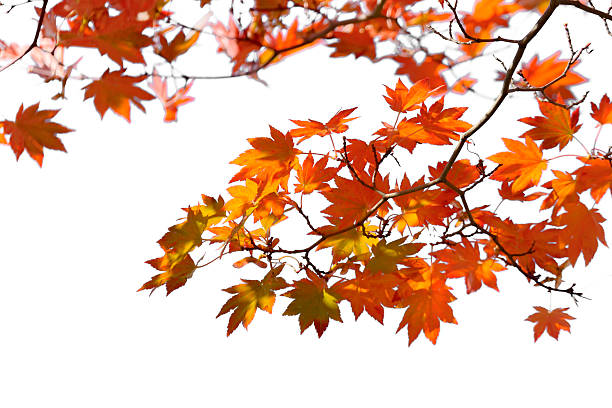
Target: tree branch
(43, 12)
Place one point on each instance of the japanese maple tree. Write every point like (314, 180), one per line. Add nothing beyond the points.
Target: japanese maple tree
(377, 232)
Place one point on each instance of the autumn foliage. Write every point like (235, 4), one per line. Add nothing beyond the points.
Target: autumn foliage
(377, 233)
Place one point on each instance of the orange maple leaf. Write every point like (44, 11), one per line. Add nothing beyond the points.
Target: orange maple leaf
(367, 292)
(555, 128)
(402, 99)
(351, 200)
(462, 173)
(314, 302)
(564, 189)
(312, 176)
(582, 231)
(250, 296)
(523, 165)
(272, 157)
(427, 305)
(595, 175)
(463, 261)
(421, 208)
(550, 320)
(440, 125)
(540, 73)
(115, 91)
(33, 130)
(603, 112)
(310, 128)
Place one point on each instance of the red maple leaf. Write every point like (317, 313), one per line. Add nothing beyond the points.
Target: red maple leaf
(603, 112)
(33, 130)
(115, 91)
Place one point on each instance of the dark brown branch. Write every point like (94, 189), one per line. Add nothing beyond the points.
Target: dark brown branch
(43, 11)
(586, 8)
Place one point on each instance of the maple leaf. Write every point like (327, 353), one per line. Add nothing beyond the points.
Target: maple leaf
(537, 243)
(184, 237)
(112, 36)
(555, 128)
(310, 128)
(427, 305)
(357, 41)
(595, 175)
(272, 157)
(387, 255)
(312, 176)
(115, 91)
(582, 231)
(439, 125)
(350, 242)
(523, 165)
(250, 296)
(314, 302)
(540, 73)
(33, 130)
(177, 264)
(174, 276)
(402, 99)
(367, 292)
(360, 154)
(462, 173)
(564, 189)
(603, 112)
(423, 207)
(463, 260)
(244, 199)
(553, 321)
(351, 200)
(170, 104)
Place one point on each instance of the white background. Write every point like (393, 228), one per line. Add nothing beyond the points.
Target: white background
(74, 236)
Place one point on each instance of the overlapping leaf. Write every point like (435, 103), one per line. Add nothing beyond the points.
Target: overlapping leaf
(523, 165)
(250, 296)
(314, 303)
(555, 128)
